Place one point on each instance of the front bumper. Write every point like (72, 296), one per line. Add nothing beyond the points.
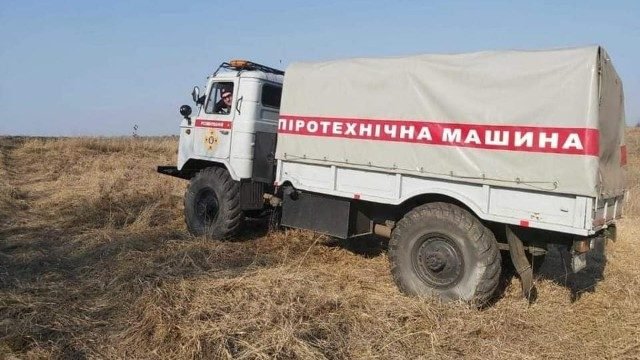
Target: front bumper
(173, 171)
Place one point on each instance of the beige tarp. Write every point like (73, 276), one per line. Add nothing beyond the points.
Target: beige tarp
(550, 120)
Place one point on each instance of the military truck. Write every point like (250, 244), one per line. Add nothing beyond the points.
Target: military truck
(465, 161)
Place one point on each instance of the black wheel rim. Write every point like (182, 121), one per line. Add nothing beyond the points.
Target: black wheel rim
(438, 261)
(207, 206)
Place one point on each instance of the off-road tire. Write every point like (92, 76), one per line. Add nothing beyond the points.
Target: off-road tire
(474, 249)
(221, 220)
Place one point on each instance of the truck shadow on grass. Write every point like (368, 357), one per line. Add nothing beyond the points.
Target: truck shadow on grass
(556, 267)
(65, 288)
(368, 246)
(59, 287)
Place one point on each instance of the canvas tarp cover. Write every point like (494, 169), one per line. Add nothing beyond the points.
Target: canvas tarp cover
(545, 120)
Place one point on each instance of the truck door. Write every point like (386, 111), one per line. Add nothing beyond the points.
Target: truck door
(213, 125)
(264, 162)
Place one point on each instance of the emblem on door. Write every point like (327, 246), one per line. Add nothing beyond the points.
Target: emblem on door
(211, 139)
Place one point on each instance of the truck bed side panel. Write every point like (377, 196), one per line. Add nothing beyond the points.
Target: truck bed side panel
(557, 212)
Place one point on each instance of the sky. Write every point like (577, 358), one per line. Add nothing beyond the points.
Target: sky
(100, 67)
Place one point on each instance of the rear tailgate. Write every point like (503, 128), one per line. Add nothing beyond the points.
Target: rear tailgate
(611, 126)
(607, 211)
(613, 154)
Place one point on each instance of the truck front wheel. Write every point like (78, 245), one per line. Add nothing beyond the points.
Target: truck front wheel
(212, 204)
(440, 249)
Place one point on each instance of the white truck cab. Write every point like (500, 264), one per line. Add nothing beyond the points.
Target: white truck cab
(228, 137)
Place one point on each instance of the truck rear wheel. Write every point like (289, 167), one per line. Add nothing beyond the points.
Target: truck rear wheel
(212, 204)
(441, 249)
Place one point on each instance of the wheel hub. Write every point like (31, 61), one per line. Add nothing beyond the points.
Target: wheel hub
(435, 261)
(438, 261)
(207, 206)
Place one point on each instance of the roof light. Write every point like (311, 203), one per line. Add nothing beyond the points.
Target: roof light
(239, 64)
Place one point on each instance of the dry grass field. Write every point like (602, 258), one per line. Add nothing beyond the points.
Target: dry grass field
(95, 262)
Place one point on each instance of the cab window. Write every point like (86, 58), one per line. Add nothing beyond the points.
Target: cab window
(271, 95)
(220, 98)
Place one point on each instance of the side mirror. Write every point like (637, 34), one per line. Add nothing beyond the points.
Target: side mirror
(195, 94)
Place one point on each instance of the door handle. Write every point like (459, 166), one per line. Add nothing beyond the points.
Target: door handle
(239, 104)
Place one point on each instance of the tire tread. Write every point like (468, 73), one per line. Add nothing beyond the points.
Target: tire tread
(482, 236)
(232, 212)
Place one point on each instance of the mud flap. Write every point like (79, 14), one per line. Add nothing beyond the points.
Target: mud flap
(521, 263)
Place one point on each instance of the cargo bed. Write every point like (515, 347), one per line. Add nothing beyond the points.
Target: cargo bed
(531, 138)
